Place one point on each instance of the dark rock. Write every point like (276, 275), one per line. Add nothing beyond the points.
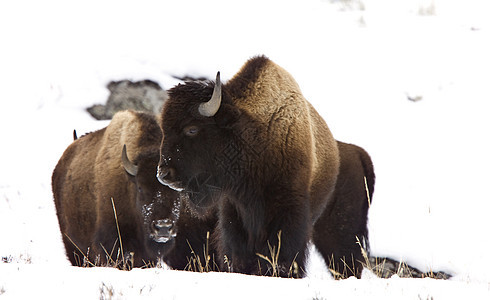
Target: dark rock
(143, 95)
(385, 267)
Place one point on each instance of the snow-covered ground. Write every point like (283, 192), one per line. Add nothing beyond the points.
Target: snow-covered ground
(357, 61)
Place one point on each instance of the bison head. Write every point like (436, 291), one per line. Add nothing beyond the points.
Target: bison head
(159, 206)
(197, 123)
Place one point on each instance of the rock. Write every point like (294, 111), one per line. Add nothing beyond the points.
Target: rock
(385, 267)
(143, 95)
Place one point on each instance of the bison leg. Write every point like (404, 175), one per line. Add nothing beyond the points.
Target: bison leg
(231, 239)
(194, 248)
(277, 248)
(337, 235)
(289, 231)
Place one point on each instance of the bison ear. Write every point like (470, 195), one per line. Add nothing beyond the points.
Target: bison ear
(227, 115)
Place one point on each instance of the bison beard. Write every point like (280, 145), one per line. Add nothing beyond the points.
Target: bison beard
(261, 154)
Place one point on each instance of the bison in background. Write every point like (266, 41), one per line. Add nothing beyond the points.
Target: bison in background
(341, 230)
(257, 149)
(115, 163)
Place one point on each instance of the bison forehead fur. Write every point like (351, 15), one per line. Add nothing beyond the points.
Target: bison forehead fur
(91, 173)
(265, 157)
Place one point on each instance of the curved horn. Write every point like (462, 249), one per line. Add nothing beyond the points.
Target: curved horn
(131, 168)
(209, 109)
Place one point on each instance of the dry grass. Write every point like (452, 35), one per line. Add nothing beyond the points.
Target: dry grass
(196, 264)
(86, 261)
(367, 192)
(273, 268)
(381, 267)
(428, 9)
(121, 248)
(346, 268)
(120, 263)
(23, 258)
(274, 256)
(106, 292)
(207, 262)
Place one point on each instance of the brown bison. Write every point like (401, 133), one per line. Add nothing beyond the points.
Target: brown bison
(115, 164)
(341, 230)
(257, 149)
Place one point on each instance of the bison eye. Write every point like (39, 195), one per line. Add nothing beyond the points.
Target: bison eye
(191, 130)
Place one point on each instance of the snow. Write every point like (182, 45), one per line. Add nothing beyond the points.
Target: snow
(107, 283)
(357, 61)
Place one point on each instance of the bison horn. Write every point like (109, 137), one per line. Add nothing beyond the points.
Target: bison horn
(209, 109)
(131, 168)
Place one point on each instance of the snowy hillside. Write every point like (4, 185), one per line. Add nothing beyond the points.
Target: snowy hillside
(406, 80)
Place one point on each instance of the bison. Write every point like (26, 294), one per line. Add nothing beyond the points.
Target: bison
(341, 230)
(106, 195)
(260, 152)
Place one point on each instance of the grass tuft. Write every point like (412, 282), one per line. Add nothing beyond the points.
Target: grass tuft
(367, 192)
(427, 10)
(106, 292)
(126, 264)
(274, 269)
(273, 260)
(22, 258)
(195, 263)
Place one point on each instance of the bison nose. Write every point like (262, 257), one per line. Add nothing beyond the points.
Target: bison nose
(163, 173)
(165, 224)
(163, 230)
(167, 177)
